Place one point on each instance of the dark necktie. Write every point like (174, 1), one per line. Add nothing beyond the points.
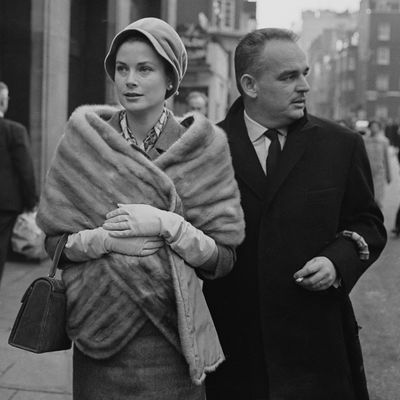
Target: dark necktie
(274, 150)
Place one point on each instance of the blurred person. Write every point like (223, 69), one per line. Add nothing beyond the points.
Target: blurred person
(147, 205)
(283, 314)
(18, 192)
(197, 101)
(377, 146)
(390, 131)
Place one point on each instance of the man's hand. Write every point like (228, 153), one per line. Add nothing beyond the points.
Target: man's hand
(317, 274)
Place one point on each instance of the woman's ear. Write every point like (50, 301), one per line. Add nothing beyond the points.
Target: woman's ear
(249, 85)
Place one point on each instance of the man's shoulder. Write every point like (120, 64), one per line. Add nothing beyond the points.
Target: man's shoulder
(329, 127)
(9, 124)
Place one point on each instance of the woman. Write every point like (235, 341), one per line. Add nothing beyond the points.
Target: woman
(377, 147)
(148, 205)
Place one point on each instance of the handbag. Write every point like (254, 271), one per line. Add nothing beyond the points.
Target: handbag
(41, 320)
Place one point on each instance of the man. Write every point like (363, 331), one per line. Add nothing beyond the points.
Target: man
(16, 175)
(283, 314)
(197, 101)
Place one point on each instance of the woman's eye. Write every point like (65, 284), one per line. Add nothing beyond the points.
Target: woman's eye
(145, 68)
(121, 68)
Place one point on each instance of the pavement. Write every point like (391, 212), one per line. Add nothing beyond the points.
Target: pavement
(25, 375)
(29, 376)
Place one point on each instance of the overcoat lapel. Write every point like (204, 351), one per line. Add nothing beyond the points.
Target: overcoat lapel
(296, 143)
(244, 157)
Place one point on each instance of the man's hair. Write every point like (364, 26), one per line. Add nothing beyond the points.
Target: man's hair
(195, 94)
(248, 58)
(3, 86)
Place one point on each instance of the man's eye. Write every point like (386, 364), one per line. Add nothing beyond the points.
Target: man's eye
(288, 77)
(145, 68)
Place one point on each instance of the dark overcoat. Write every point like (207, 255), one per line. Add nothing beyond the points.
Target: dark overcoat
(294, 343)
(16, 168)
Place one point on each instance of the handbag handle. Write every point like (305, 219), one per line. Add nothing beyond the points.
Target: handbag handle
(60, 246)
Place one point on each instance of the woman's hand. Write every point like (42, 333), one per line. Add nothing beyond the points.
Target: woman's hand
(91, 244)
(142, 220)
(130, 220)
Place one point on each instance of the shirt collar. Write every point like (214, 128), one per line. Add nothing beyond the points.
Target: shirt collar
(1, 114)
(152, 135)
(256, 130)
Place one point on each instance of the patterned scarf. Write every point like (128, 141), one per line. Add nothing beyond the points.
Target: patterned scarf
(152, 135)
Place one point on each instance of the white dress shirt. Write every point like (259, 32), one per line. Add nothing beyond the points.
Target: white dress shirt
(260, 141)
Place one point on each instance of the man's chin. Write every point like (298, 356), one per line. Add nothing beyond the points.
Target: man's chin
(297, 113)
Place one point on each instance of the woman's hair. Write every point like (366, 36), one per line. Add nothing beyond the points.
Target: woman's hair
(135, 36)
(374, 121)
(248, 53)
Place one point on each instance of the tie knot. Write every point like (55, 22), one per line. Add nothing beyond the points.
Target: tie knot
(272, 134)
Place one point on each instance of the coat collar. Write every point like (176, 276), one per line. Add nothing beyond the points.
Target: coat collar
(245, 159)
(170, 134)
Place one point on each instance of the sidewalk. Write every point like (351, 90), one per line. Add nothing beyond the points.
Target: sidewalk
(25, 375)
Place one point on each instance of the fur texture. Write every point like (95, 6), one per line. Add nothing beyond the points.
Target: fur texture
(110, 299)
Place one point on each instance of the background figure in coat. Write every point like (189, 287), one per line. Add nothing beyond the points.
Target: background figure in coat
(283, 314)
(377, 146)
(16, 175)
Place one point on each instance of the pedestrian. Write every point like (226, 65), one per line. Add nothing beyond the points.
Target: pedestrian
(148, 204)
(377, 146)
(283, 314)
(16, 175)
(197, 101)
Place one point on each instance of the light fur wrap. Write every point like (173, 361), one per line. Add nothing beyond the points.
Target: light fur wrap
(110, 299)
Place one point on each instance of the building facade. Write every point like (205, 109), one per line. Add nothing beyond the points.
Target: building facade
(379, 58)
(224, 22)
(325, 60)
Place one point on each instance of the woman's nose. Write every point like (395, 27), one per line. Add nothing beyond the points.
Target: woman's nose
(131, 78)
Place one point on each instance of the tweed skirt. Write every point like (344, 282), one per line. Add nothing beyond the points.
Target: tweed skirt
(148, 368)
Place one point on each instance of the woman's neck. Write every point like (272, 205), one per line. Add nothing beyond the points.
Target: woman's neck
(141, 122)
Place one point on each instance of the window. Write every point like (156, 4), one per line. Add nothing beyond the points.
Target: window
(384, 31)
(350, 84)
(224, 14)
(383, 56)
(382, 82)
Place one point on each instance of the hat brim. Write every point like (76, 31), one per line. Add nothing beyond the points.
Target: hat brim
(109, 61)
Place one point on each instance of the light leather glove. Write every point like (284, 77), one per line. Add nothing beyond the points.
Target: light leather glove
(93, 243)
(144, 220)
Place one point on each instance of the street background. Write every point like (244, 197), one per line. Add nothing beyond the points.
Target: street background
(376, 299)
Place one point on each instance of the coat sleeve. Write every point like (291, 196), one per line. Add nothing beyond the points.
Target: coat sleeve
(359, 213)
(23, 165)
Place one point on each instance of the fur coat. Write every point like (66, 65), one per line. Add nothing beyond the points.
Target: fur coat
(110, 299)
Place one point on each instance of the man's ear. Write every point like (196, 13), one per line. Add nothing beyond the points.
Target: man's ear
(249, 85)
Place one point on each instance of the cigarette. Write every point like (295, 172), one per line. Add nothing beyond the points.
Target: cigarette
(298, 280)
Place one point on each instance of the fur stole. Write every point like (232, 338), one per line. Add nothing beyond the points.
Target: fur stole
(109, 299)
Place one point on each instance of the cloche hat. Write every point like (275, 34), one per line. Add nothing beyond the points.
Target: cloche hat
(165, 41)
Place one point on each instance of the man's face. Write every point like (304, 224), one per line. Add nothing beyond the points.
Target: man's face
(198, 104)
(3, 100)
(280, 89)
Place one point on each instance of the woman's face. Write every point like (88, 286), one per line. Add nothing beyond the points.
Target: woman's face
(140, 77)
